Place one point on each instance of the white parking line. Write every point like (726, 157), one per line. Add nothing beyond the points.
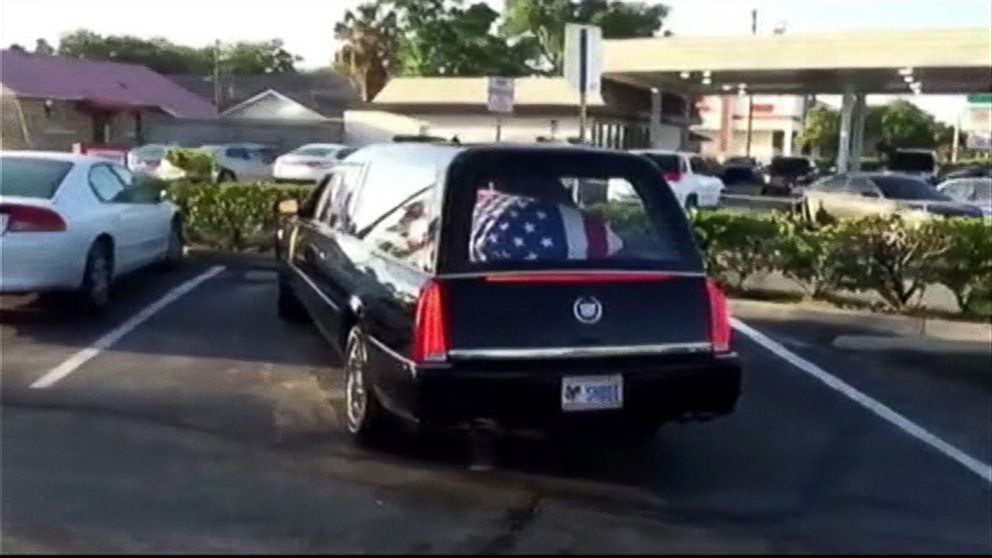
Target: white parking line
(73, 363)
(983, 470)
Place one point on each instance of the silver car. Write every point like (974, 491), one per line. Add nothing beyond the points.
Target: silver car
(975, 191)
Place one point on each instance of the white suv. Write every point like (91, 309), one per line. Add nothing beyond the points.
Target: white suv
(693, 180)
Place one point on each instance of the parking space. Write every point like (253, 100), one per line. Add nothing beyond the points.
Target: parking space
(205, 428)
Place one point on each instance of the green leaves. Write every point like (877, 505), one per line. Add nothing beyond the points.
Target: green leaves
(891, 256)
(965, 268)
(197, 163)
(738, 246)
(232, 216)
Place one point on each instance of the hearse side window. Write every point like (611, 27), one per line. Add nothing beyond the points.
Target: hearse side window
(340, 204)
(567, 210)
(406, 232)
(387, 184)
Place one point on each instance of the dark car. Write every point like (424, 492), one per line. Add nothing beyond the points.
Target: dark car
(785, 174)
(464, 283)
(862, 194)
(740, 176)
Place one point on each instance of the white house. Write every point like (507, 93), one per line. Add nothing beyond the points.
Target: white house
(544, 108)
(776, 122)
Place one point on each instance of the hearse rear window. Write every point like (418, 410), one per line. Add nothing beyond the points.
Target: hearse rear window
(526, 209)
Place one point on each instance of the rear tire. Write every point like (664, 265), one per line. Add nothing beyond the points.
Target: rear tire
(289, 306)
(225, 176)
(95, 291)
(175, 252)
(365, 417)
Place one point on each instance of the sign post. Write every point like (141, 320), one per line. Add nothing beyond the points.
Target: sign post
(500, 101)
(583, 65)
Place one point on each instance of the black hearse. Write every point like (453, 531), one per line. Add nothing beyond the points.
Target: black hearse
(528, 285)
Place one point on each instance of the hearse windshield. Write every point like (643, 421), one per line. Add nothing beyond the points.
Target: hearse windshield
(569, 209)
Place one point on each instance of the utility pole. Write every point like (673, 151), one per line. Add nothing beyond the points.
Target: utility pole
(750, 98)
(583, 83)
(217, 74)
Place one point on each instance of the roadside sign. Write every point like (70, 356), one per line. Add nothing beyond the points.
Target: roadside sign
(982, 99)
(981, 142)
(500, 95)
(583, 57)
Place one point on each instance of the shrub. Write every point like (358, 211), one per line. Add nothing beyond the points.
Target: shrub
(737, 246)
(966, 267)
(810, 257)
(888, 255)
(233, 216)
(198, 164)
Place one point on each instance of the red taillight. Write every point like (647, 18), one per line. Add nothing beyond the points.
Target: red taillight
(719, 318)
(672, 176)
(577, 278)
(26, 218)
(430, 335)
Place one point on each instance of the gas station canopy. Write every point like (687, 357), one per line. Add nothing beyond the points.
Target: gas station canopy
(954, 61)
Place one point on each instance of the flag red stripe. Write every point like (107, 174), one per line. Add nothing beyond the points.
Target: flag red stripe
(596, 236)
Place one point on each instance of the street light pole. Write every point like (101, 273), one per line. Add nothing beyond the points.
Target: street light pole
(750, 98)
(217, 74)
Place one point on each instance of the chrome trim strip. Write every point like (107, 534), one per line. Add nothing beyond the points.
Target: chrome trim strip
(583, 352)
(589, 272)
(389, 351)
(313, 286)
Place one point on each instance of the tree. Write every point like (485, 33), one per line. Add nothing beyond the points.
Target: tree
(252, 58)
(42, 47)
(445, 39)
(17, 47)
(821, 131)
(542, 22)
(907, 125)
(166, 57)
(369, 40)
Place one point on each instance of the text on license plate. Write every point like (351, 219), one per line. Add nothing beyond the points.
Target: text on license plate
(586, 393)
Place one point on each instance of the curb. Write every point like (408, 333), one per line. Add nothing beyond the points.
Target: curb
(914, 344)
(916, 328)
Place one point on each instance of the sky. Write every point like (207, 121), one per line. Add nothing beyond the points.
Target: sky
(306, 26)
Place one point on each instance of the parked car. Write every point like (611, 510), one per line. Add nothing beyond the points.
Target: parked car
(972, 171)
(464, 283)
(787, 175)
(693, 180)
(734, 175)
(974, 191)
(308, 163)
(148, 159)
(76, 223)
(863, 194)
(242, 161)
(920, 163)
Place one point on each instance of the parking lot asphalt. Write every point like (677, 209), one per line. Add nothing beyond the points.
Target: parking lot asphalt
(204, 429)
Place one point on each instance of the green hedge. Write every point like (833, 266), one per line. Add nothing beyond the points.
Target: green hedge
(890, 256)
(232, 216)
(893, 257)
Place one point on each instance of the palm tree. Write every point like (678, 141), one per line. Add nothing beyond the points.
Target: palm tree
(368, 43)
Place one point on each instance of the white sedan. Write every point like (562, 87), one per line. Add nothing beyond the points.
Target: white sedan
(76, 223)
(309, 163)
(692, 179)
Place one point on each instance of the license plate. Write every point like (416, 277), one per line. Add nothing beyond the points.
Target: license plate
(589, 393)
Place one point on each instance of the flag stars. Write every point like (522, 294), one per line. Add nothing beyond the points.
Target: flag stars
(529, 227)
(546, 242)
(542, 215)
(517, 241)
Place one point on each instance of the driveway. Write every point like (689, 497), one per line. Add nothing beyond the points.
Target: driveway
(201, 427)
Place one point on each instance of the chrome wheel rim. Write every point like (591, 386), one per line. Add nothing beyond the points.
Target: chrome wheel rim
(356, 398)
